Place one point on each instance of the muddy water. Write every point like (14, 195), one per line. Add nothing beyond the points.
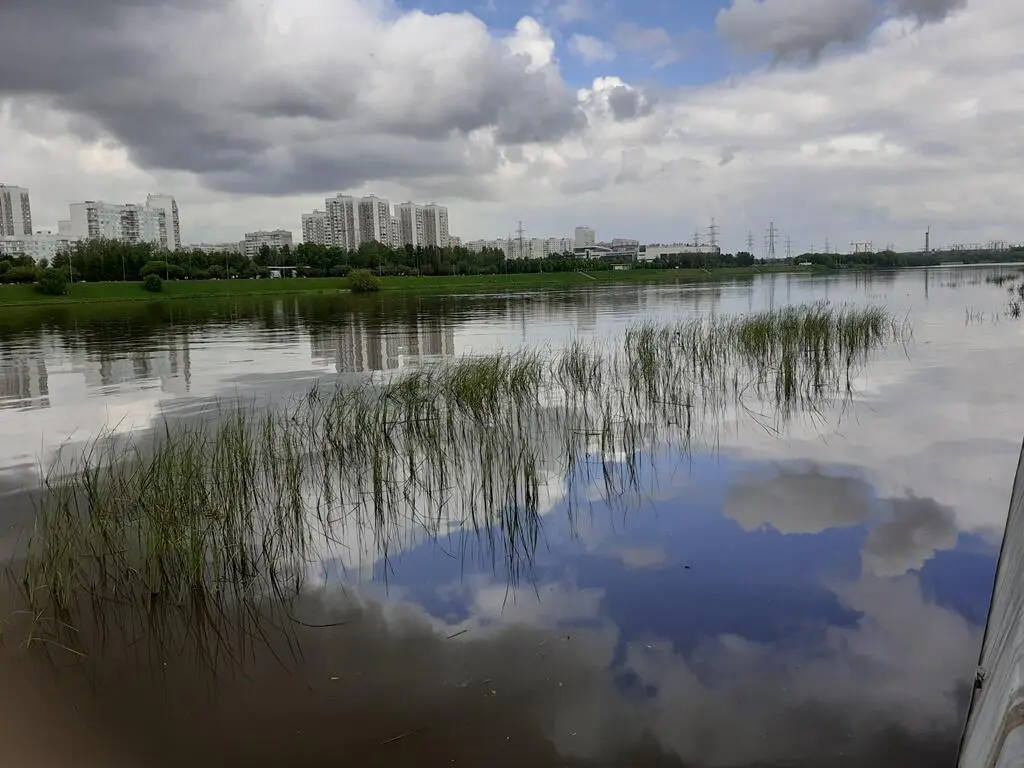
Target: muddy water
(811, 596)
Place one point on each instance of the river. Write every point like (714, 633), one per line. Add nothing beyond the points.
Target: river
(809, 595)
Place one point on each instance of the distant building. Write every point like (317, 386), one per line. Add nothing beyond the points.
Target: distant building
(658, 251)
(64, 228)
(374, 220)
(584, 236)
(410, 224)
(41, 245)
(230, 247)
(533, 248)
(275, 239)
(396, 240)
(171, 237)
(342, 222)
(15, 211)
(130, 223)
(435, 225)
(314, 228)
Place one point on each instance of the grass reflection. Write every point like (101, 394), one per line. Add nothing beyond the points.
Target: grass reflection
(218, 525)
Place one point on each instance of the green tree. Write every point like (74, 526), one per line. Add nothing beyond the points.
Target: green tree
(52, 282)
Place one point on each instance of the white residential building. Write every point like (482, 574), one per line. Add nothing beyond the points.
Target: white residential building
(342, 222)
(15, 211)
(41, 245)
(275, 239)
(435, 225)
(232, 247)
(314, 228)
(396, 240)
(585, 236)
(534, 248)
(130, 223)
(657, 251)
(410, 223)
(172, 236)
(374, 220)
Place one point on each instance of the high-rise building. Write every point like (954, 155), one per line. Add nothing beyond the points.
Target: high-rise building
(410, 224)
(15, 211)
(275, 239)
(374, 220)
(342, 222)
(314, 228)
(585, 236)
(393, 231)
(130, 223)
(171, 237)
(435, 225)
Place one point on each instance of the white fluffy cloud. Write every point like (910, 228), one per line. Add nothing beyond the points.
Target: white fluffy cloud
(591, 49)
(252, 112)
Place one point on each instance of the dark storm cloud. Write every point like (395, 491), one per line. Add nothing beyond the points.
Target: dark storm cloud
(629, 103)
(187, 86)
(789, 29)
(928, 11)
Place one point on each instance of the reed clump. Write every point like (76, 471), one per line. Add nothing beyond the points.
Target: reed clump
(220, 524)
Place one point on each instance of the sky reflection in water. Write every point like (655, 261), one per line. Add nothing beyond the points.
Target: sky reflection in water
(814, 597)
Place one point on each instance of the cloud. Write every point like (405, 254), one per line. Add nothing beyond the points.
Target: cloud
(574, 10)
(790, 28)
(800, 498)
(591, 49)
(294, 104)
(917, 529)
(282, 97)
(651, 42)
(927, 11)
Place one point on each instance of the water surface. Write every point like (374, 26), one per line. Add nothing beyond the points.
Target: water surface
(813, 596)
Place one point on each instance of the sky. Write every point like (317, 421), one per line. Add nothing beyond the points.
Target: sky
(852, 120)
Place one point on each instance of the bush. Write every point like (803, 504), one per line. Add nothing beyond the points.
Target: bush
(21, 274)
(52, 282)
(153, 283)
(363, 281)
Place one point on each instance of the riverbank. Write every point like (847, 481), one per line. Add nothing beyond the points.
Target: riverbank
(89, 293)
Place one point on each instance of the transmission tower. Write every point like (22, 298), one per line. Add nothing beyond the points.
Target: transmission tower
(696, 238)
(713, 233)
(828, 247)
(772, 234)
(750, 243)
(519, 233)
(789, 248)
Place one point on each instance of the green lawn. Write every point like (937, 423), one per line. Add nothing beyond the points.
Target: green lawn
(25, 295)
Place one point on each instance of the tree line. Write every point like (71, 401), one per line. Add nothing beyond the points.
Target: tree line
(112, 260)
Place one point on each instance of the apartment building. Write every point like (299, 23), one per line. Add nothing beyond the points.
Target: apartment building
(131, 223)
(314, 228)
(342, 222)
(435, 225)
(275, 239)
(410, 224)
(41, 245)
(584, 237)
(374, 220)
(171, 236)
(15, 211)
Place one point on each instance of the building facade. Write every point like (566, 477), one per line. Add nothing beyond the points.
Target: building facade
(435, 225)
(130, 223)
(657, 251)
(171, 236)
(42, 245)
(275, 239)
(314, 228)
(584, 237)
(374, 220)
(232, 247)
(15, 211)
(342, 222)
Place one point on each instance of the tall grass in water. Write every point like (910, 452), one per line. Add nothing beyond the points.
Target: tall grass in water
(217, 525)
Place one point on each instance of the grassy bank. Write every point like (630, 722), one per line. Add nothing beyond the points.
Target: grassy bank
(85, 293)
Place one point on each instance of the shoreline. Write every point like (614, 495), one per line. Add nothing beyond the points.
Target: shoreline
(24, 296)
